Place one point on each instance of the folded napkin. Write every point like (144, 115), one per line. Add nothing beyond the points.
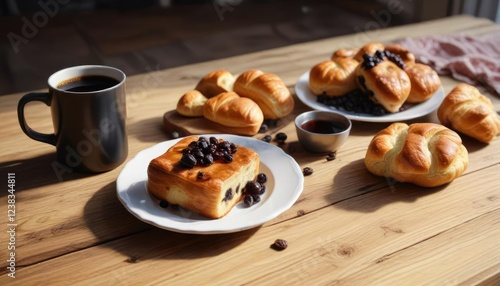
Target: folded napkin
(474, 60)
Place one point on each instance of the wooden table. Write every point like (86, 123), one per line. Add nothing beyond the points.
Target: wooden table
(347, 227)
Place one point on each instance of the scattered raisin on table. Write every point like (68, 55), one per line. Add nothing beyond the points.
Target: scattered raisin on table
(331, 156)
(263, 128)
(279, 244)
(307, 171)
(280, 137)
(267, 138)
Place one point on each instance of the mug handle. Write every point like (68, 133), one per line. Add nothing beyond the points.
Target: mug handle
(34, 96)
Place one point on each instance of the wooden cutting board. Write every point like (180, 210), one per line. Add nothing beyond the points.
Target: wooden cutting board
(173, 121)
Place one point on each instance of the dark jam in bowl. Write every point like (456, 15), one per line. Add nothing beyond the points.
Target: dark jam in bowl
(323, 126)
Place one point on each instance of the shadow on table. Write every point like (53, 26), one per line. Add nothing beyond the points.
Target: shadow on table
(148, 130)
(117, 229)
(36, 172)
(376, 192)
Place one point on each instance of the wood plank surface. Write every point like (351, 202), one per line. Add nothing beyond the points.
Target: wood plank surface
(348, 226)
(359, 241)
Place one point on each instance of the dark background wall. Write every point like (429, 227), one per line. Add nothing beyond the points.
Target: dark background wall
(38, 37)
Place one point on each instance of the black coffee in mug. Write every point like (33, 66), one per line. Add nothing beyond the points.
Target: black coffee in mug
(88, 108)
(87, 83)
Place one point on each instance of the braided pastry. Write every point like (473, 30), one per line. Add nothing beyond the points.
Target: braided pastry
(425, 154)
(466, 110)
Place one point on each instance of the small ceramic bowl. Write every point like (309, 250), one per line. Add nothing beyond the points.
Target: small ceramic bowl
(322, 131)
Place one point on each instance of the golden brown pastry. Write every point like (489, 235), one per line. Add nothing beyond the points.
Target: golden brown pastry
(424, 82)
(370, 49)
(405, 55)
(267, 90)
(215, 82)
(344, 53)
(212, 194)
(466, 110)
(191, 104)
(386, 83)
(334, 78)
(234, 114)
(425, 154)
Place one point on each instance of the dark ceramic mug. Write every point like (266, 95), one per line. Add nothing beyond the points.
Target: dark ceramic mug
(88, 107)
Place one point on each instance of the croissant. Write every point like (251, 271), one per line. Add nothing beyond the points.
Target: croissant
(215, 82)
(425, 154)
(386, 84)
(267, 90)
(335, 77)
(466, 110)
(235, 114)
(191, 104)
(424, 82)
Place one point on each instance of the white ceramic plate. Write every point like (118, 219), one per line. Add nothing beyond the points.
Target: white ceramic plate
(308, 98)
(284, 185)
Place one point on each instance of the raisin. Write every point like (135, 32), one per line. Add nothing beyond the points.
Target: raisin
(228, 196)
(281, 137)
(307, 171)
(197, 153)
(208, 160)
(228, 158)
(218, 154)
(163, 204)
(248, 200)
(267, 138)
(263, 128)
(256, 198)
(233, 149)
(200, 175)
(331, 156)
(261, 178)
(224, 145)
(203, 145)
(193, 144)
(213, 140)
(262, 189)
(279, 244)
(252, 187)
(188, 161)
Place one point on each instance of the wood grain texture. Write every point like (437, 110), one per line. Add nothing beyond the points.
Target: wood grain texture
(348, 226)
